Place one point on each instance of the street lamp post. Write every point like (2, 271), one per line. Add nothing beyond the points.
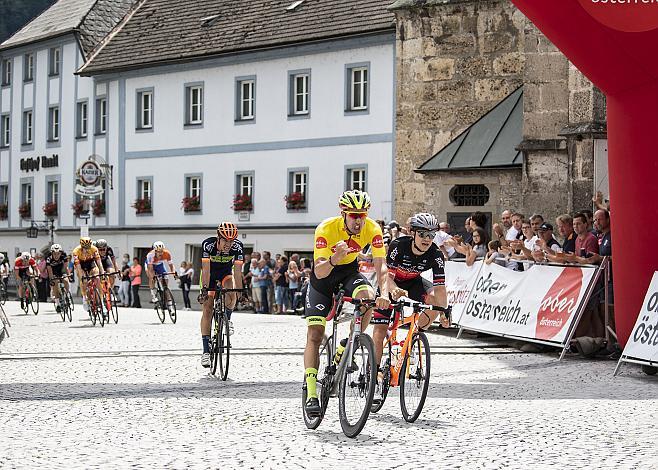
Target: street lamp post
(36, 225)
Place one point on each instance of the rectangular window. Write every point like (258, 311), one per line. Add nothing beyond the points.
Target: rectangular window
(144, 189)
(356, 179)
(27, 127)
(245, 184)
(299, 182)
(53, 124)
(145, 110)
(357, 99)
(26, 194)
(53, 191)
(82, 119)
(5, 130)
(101, 115)
(300, 93)
(4, 194)
(28, 69)
(193, 186)
(194, 99)
(246, 99)
(6, 72)
(54, 60)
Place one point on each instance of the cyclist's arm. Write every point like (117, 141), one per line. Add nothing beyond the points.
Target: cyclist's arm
(99, 264)
(382, 276)
(237, 275)
(50, 272)
(17, 273)
(205, 272)
(439, 283)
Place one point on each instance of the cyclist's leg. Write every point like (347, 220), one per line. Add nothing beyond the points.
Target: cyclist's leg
(228, 282)
(318, 306)
(380, 321)
(153, 270)
(21, 283)
(437, 296)
(359, 288)
(55, 289)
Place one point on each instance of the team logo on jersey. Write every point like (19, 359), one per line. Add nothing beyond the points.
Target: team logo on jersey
(320, 307)
(378, 241)
(320, 243)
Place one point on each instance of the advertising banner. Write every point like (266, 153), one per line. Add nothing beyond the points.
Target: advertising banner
(538, 304)
(642, 346)
(459, 280)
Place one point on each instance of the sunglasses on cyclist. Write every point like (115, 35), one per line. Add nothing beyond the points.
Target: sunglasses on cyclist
(357, 215)
(428, 234)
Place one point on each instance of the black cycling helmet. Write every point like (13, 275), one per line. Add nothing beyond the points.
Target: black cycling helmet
(424, 221)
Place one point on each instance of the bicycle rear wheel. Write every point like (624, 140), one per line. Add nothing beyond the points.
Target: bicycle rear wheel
(92, 309)
(224, 346)
(324, 381)
(415, 378)
(381, 389)
(214, 342)
(34, 300)
(170, 304)
(357, 386)
(69, 309)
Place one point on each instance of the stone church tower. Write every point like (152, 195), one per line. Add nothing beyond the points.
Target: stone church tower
(484, 99)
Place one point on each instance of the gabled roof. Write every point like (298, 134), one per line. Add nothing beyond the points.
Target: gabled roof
(488, 143)
(91, 19)
(170, 31)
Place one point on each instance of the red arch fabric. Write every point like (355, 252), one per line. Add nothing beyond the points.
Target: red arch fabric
(616, 46)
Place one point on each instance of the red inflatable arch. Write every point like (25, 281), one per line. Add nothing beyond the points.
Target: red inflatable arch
(616, 46)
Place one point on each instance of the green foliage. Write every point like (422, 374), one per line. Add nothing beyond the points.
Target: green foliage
(14, 14)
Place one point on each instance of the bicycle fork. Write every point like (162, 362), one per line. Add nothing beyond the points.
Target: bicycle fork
(346, 359)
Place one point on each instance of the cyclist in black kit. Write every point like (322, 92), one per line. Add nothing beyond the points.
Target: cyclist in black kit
(407, 258)
(57, 266)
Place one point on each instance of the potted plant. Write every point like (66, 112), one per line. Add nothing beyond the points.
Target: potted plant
(295, 201)
(78, 208)
(99, 207)
(191, 204)
(142, 206)
(50, 209)
(4, 212)
(242, 202)
(25, 210)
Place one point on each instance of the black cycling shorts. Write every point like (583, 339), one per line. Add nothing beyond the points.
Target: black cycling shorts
(88, 265)
(107, 263)
(418, 288)
(58, 271)
(319, 296)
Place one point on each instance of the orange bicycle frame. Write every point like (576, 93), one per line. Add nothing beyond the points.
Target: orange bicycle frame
(391, 339)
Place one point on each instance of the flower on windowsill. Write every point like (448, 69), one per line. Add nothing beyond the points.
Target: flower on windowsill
(191, 204)
(4, 211)
(50, 209)
(142, 206)
(99, 207)
(242, 202)
(25, 210)
(295, 201)
(78, 208)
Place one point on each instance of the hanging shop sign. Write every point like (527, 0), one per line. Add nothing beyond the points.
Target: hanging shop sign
(90, 176)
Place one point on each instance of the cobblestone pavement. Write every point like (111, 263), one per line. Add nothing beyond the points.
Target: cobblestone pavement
(134, 395)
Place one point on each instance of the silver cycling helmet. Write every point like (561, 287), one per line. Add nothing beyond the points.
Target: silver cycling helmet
(100, 243)
(56, 248)
(424, 221)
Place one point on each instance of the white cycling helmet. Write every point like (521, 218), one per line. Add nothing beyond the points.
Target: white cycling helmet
(158, 246)
(2, 257)
(25, 255)
(56, 248)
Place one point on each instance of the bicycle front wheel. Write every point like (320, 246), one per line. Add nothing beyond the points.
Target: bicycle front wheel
(383, 384)
(160, 307)
(69, 297)
(224, 346)
(357, 386)
(62, 308)
(415, 378)
(98, 307)
(170, 304)
(34, 300)
(214, 341)
(323, 385)
(115, 307)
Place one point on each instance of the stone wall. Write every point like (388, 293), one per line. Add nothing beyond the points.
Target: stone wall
(455, 61)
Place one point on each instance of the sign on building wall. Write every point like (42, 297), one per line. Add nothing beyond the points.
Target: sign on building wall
(642, 346)
(90, 176)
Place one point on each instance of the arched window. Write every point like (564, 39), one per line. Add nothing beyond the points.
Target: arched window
(469, 195)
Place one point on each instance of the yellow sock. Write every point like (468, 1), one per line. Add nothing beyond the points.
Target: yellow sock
(311, 382)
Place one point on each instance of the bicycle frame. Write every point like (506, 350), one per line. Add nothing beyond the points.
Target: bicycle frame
(400, 320)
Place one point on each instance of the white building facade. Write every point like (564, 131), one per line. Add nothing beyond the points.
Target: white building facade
(231, 137)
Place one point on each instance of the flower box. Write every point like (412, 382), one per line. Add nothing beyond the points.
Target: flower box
(50, 209)
(191, 204)
(79, 208)
(99, 207)
(295, 201)
(143, 206)
(25, 210)
(242, 202)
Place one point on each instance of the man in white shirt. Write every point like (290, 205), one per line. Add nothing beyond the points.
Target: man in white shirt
(439, 240)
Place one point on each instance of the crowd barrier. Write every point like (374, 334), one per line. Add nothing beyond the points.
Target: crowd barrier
(542, 304)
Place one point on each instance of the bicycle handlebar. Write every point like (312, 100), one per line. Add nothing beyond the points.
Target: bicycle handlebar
(400, 303)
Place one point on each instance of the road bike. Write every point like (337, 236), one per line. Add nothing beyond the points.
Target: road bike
(65, 299)
(94, 300)
(406, 363)
(30, 298)
(220, 340)
(353, 379)
(110, 301)
(165, 300)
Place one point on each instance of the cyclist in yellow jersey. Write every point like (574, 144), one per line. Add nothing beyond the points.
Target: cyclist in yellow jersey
(338, 241)
(87, 262)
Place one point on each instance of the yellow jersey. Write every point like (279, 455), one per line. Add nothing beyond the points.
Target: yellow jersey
(333, 230)
(81, 255)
